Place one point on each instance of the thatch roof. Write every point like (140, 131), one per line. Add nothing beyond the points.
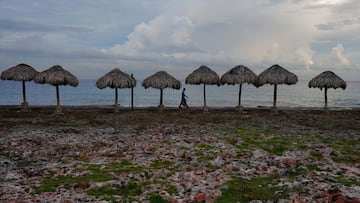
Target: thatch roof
(161, 80)
(116, 79)
(21, 72)
(56, 75)
(203, 75)
(276, 75)
(327, 79)
(239, 75)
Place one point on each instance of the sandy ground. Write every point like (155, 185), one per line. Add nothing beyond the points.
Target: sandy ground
(92, 154)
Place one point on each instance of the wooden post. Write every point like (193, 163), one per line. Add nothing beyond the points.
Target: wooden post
(24, 104)
(275, 92)
(24, 91)
(132, 95)
(116, 106)
(116, 96)
(239, 107)
(58, 107)
(204, 96)
(240, 87)
(326, 102)
(161, 97)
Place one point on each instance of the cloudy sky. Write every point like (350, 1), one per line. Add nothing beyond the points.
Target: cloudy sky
(90, 37)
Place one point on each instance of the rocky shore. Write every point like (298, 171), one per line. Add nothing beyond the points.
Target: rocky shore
(94, 155)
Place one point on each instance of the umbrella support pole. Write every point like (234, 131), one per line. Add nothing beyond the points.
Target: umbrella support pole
(116, 106)
(132, 94)
(326, 101)
(161, 106)
(239, 107)
(132, 99)
(161, 92)
(205, 108)
(24, 104)
(274, 103)
(58, 107)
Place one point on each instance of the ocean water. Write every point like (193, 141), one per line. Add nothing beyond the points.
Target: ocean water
(298, 95)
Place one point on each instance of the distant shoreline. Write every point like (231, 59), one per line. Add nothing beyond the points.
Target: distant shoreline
(109, 108)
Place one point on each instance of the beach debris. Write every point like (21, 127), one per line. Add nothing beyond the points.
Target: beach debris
(188, 161)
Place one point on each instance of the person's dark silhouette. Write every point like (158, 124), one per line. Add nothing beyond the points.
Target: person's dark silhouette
(183, 99)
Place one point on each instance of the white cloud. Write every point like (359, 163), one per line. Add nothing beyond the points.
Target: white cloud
(305, 56)
(338, 54)
(164, 35)
(153, 34)
(232, 35)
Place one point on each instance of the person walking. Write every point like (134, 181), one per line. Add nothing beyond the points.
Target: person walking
(183, 99)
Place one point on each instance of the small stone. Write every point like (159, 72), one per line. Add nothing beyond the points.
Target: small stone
(200, 197)
(195, 189)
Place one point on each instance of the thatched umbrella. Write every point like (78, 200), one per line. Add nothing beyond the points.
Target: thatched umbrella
(116, 79)
(161, 80)
(239, 75)
(21, 72)
(276, 75)
(56, 76)
(203, 75)
(327, 79)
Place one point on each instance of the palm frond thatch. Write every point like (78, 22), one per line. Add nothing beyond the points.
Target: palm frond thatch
(56, 75)
(327, 79)
(239, 75)
(20, 72)
(161, 80)
(116, 79)
(276, 75)
(203, 75)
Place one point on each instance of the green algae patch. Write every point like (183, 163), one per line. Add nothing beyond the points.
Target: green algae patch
(50, 185)
(348, 181)
(245, 190)
(250, 138)
(161, 164)
(156, 198)
(204, 146)
(107, 192)
(124, 166)
(349, 150)
(94, 173)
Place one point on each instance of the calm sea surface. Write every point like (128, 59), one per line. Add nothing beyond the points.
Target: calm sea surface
(86, 93)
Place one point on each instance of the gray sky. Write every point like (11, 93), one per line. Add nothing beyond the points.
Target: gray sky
(90, 37)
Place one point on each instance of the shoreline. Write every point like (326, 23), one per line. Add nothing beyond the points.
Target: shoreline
(99, 108)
